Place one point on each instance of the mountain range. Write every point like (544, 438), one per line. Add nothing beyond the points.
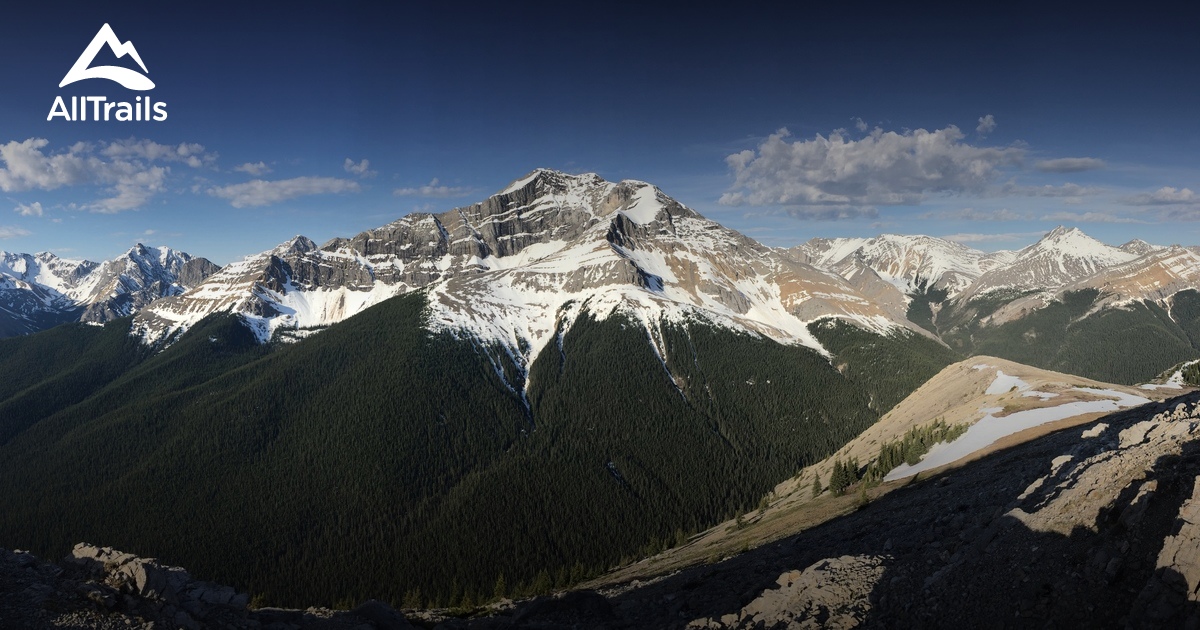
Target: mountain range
(524, 391)
(518, 268)
(41, 290)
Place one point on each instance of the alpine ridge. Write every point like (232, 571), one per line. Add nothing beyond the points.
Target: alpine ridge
(41, 290)
(521, 266)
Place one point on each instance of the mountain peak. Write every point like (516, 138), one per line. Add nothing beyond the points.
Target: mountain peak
(1139, 247)
(298, 244)
(546, 178)
(1071, 241)
(1063, 231)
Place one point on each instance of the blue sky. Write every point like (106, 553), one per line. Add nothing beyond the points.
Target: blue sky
(989, 127)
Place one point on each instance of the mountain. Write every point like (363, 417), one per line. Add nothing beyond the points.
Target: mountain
(524, 390)
(1068, 302)
(521, 266)
(912, 263)
(1157, 276)
(42, 290)
(1062, 256)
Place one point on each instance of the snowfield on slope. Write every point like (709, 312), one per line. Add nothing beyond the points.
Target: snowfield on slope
(991, 428)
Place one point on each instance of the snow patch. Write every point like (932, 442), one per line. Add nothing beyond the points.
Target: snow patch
(1004, 383)
(990, 428)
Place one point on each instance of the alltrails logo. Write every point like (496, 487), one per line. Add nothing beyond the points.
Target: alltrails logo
(142, 108)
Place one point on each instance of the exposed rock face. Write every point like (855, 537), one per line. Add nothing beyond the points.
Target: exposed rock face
(519, 266)
(99, 587)
(832, 593)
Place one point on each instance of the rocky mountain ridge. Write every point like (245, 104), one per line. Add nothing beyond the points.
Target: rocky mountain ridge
(519, 267)
(40, 290)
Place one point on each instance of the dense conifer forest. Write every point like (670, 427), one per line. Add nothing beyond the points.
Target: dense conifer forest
(377, 459)
(1129, 344)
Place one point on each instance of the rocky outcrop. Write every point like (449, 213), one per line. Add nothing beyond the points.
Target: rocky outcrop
(832, 593)
(100, 587)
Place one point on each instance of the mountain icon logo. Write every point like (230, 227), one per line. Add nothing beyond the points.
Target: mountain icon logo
(131, 79)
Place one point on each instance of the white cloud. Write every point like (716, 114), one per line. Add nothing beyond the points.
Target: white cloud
(432, 189)
(1163, 196)
(132, 190)
(257, 169)
(26, 167)
(832, 213)
(1178, 213)
(9, 231)
(362, 169)
(1069, 165)
(1088, 217)
(987, 124)
(125, 170)
(971, 214)
(859, 124)
(992, 238)
(191, 154)
(1067, 190)
(883, 168)
(31, 210)
(263, 193)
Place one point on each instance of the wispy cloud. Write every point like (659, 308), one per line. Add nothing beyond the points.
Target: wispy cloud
(987, 124)
(257, 169)
(1069, 165)
(263, 193)
(971, 214)
(882, 168)
(1164, 196)
(9, 231)
(1089, 217)
(832, 213)
(1005, 237)
(29, 210)
(432, 189)
(361, 169)
(1012, 189)
(191, 154)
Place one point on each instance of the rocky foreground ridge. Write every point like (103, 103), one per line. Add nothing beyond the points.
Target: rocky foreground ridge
(1094, 526)
(99, 587)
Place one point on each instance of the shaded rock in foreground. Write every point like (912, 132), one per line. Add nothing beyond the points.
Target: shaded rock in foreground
(100, 587)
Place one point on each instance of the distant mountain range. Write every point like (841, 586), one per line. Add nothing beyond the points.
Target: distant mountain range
(42, 290)
(519, 267)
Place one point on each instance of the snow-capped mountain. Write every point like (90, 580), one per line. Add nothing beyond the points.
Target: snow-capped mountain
(1156, 277)
(1139, 247)
(41, 290)
(911, 263)
(519, 267)
(1061, 257)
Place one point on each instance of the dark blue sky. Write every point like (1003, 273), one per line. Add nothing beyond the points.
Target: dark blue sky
(1092, 118)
